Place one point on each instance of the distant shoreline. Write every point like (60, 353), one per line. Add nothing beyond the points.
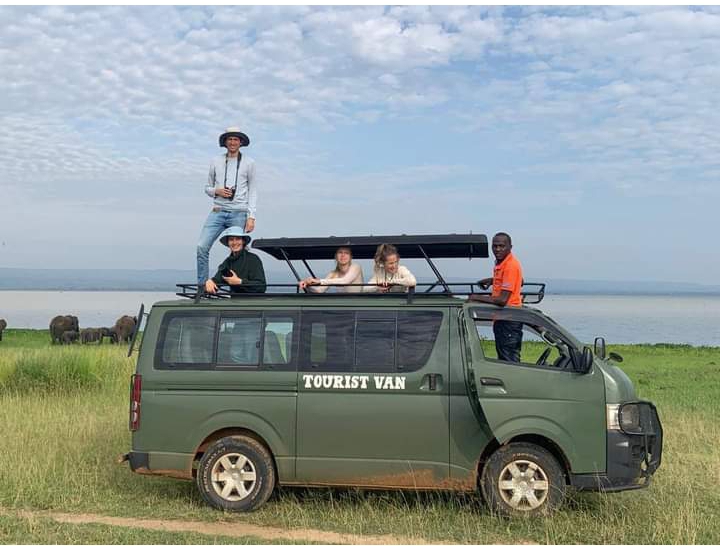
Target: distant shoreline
(688, 293)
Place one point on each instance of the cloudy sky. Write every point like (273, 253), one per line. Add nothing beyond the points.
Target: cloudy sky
(590, 134)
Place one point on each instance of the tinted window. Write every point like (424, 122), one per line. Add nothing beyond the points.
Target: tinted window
(328, 340)
(239, 340)
(368, 341)
(251, 340)
(188, 341)
(278, 340)
(416, 332)
(375, 346)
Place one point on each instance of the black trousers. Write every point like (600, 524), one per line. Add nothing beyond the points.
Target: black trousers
(508, 339)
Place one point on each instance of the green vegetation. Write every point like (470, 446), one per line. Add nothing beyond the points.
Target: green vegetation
(63, 413)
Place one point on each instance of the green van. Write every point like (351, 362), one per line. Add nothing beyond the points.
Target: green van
(381, 391)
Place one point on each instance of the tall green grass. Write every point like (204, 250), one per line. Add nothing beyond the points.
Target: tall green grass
(65, 369)
(60, 442)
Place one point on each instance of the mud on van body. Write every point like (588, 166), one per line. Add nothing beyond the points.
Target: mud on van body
(386, 392)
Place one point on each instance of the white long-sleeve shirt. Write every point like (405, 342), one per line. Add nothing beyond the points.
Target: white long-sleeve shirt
(245, 199)
(402, 278)
(342, 282)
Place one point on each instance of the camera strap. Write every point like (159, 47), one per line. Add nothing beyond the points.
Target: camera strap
(237, 169)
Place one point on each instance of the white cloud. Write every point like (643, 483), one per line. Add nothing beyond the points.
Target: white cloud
(116, 108)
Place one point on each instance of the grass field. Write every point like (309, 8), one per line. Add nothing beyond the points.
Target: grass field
(63, 413)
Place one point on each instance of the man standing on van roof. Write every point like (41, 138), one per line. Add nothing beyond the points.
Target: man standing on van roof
(233, 188)
(506, 285)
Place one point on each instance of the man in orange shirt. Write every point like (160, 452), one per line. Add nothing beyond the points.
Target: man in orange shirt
(506, 284)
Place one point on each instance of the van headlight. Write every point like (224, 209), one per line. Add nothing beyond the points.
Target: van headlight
(632, 418)
(629, 419)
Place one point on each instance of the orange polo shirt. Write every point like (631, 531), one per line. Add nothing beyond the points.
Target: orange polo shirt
(507, 275)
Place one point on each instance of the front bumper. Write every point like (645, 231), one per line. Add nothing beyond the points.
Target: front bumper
(632, 458)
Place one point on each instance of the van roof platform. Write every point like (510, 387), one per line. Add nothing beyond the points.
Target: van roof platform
(426, 247)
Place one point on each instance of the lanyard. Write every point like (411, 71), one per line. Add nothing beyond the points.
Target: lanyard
(237, 168)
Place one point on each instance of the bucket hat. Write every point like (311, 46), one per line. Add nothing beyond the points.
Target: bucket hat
(236, 132)
(234, 231)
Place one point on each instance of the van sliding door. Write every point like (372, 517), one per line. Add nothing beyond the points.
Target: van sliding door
(372, 398)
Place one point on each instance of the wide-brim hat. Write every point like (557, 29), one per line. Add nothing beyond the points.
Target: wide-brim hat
(234, 231)
(236, 132)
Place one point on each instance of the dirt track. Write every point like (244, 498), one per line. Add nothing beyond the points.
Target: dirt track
(221, 529)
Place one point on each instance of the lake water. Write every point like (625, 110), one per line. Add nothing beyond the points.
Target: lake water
(620, 319)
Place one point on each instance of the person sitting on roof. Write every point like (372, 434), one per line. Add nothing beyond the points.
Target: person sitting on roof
(242, 270)
(345, 275)
(388, 274)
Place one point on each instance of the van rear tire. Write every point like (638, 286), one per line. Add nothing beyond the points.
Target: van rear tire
(236, 473)
(523, 479)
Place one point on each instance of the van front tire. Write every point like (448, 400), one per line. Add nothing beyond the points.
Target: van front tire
(523, 479)
(236, 473)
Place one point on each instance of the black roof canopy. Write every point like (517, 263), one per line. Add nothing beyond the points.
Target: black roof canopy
(409, 246)
(428, 247)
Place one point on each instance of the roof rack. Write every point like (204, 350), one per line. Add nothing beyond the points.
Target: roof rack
(532, 293)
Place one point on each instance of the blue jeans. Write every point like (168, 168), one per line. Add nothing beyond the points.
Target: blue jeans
(215, 224)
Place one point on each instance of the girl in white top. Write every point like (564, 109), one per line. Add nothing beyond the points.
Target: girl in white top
(388, 274)
(343, 277)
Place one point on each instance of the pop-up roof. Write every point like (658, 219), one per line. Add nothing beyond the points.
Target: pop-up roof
(409, 246)
(427, 247)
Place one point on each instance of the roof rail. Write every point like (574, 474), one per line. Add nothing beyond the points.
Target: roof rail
(532, 293)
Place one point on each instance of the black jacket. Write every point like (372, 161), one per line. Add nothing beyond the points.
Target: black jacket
(248, 267)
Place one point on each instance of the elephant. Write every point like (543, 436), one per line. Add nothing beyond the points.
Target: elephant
(61, 324)
(88, 335)
(3, 325)
(109, 333)
(124, 328)
(69, 336)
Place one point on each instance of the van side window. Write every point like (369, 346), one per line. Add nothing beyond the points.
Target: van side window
(278, 339)
(383, 341)
(375, 346)
(328, 339)
(188, 342)
(239, 340)
(539, 346)
(416, 334)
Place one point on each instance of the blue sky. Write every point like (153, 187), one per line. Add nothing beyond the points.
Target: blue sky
(589, 134)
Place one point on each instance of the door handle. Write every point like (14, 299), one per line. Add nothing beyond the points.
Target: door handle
(491, 382)
(431, 381)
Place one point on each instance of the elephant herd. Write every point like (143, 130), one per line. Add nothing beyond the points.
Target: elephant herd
(3, 325)
(65, 329)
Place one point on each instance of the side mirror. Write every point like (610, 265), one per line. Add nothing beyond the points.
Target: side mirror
(582, 362)
(616, 357)
(600, 347)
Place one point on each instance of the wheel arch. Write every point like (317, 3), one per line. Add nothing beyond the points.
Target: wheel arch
(536, 439)
(548, 445)
(232, 431)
